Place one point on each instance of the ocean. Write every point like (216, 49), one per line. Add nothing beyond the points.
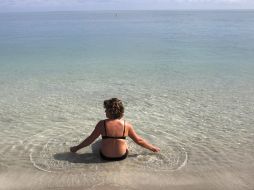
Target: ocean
(186, 79)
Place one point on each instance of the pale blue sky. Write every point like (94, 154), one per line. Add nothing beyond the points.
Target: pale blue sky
(62, 5)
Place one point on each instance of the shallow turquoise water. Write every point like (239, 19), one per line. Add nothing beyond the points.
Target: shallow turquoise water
(186, 78)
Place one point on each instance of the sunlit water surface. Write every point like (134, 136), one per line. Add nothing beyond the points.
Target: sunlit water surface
(186, 79)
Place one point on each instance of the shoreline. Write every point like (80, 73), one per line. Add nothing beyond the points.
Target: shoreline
(181, 180)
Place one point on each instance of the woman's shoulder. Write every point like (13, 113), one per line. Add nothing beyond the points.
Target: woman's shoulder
(100, 123)
(128, 125)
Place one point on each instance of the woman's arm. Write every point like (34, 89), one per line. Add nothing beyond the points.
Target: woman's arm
(137, 139)
(91, 138)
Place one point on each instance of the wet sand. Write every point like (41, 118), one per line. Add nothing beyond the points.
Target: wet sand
(182, 180)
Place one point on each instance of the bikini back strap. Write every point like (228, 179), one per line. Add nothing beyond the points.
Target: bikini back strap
(123, 127)
(105, 127)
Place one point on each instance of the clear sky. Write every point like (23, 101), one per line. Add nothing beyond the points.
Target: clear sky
(65, 5)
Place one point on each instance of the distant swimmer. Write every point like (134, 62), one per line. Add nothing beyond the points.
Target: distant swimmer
(114, 131)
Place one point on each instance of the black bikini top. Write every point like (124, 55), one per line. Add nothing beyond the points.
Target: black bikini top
(109, 137)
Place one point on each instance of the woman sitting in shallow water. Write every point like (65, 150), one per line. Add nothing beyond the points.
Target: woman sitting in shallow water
(114, 131)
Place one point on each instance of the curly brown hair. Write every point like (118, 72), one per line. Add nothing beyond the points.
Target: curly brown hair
(114, 108)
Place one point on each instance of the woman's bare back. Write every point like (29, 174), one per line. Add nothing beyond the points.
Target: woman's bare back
(113, 133)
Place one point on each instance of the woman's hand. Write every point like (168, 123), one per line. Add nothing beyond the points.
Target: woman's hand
(74, 149)
(155, 149)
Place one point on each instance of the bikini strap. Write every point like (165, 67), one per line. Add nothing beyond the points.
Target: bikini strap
(105, 127)
(124, 127)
